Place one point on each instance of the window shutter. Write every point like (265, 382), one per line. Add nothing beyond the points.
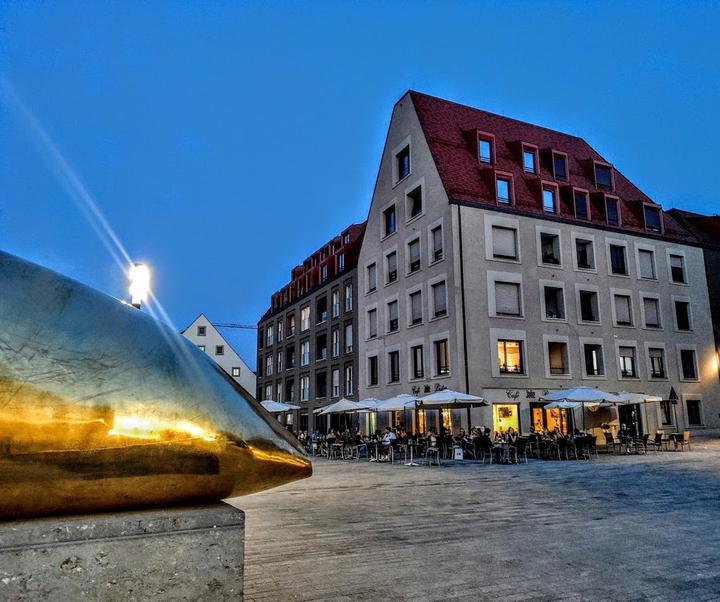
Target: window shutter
(416, 309)
(507, 298)
(651, 312)
(504, 244)
(440, 298)
(647, 269)
(622, 309)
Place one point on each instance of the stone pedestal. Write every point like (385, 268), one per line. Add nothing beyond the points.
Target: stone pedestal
(182, 553)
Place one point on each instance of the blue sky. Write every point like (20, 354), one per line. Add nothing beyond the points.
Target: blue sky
(225, 141)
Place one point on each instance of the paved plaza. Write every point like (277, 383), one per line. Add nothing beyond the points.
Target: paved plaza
(617, 528)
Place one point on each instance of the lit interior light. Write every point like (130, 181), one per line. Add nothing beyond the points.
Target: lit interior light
(139, 276)
(148, 427)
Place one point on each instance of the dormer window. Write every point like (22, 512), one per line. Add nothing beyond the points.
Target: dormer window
(652, 219)
(560, 166)
(503, 190)
(485, 150)
(402, 160)
(603, 176)
(581, 204)
(529, 159)
(612, 211)
(549, 195)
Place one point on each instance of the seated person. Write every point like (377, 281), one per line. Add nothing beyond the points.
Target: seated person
(511, 437)
(388, 439)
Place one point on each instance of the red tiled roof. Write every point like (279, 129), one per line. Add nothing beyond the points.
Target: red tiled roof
(706, 228)
(451, 130)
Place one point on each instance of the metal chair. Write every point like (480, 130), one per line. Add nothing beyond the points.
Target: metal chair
(432, 450)
(519, 450)
(684, 441)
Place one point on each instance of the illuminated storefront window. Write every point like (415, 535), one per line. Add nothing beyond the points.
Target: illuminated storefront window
(505, 415)
(447, 420)
(549, 419)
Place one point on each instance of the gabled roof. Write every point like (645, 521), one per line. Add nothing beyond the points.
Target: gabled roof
(452, 129)
(706, 228)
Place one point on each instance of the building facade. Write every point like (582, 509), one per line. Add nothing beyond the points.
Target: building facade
(202, 333)
(507, 260)
(307, 340)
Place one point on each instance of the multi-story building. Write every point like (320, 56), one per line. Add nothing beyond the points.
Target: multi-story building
(307, 351)
(203, 333)
(506, 260)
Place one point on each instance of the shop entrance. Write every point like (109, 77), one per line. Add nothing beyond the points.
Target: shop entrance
(506, 415)
(630, 416)
(548, 419)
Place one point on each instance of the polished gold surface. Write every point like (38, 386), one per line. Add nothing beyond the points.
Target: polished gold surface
(102, 407)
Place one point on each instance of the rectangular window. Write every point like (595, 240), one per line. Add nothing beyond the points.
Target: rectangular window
(589, 306)
(503, 191)
(416, 353)
(694, 412)
(416, 313)
(402, 160)
(550, 248)
(268, 391)
(335, 303)
(335, 342)
(623, 310)
(268, 365)
(560, 166)
(348, 338)
(290, 390)
(651, 308)
(414, 202)
(603, 176)
(236, 372)
(394, 366)
(324, 272)
(321, 385)
(646, 259)
(677, 268)
(291, 325)
(687, 362)
(594, 365)
(341, 262)
(372, 323)
(549, 200)
(657, 362)
(305, 319)
(627, 362)
(618, 260)
(682, 315)
(439, 299)
(201, 347)
(269, 335)
(349, 381)
(305, 353)
(585, 254)
(201, 331)
(348, 297)
(391, 267)
(442, 357)
(666, 411)
(389, 221)
(612, 212)
(279, 362)
(336, 382)
(392, 316)
(290, 357)
(558, 357)
(504, 241)
(485, 151)
(219, 349)
(373, 377)
(554, 303)
(372, 277)
(581, 205)
(652, 219)
(304, 388)
(280, 326)
(529, 161)
(321, 350)
(437, 242)
(321, 312)
(507, 298)
(414, 255)
(510, 357)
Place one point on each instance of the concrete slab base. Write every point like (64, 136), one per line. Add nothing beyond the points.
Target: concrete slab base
(182, 553)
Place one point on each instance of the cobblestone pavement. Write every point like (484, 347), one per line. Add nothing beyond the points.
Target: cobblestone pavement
(617, 528)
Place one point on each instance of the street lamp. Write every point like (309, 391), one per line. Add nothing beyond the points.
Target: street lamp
(139, 275)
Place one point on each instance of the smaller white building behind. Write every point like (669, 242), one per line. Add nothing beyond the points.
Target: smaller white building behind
(202, 333)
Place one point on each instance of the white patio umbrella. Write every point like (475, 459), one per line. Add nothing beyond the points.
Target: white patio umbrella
(344, 406)
(626, 397)
(447, 398)
(278, 406)
(395, 404)
(579, 395)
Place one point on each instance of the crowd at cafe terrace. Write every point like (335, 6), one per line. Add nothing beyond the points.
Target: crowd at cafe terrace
(414, 430)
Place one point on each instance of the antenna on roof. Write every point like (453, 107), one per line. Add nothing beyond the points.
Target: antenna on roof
(233, 325)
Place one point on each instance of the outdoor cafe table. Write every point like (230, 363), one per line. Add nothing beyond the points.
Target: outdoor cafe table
(412, 445)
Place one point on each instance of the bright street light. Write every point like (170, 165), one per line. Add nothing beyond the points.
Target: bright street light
(139, 276)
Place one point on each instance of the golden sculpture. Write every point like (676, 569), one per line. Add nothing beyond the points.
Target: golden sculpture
(102, 407)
